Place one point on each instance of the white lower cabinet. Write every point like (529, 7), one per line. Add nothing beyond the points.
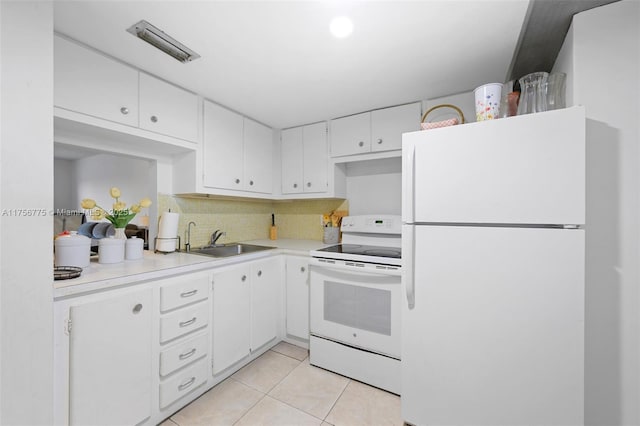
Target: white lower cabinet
(183, 337)
(297, 296)
(245, 310)
(110, 348)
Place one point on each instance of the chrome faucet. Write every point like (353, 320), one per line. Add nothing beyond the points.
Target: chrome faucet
(216, 236)
(187, 245)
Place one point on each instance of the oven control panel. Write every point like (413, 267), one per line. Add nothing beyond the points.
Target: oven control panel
(381, 224)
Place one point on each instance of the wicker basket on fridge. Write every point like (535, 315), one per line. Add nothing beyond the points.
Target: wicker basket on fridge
(433, 118)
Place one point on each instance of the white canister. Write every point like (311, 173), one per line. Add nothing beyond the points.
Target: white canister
(111, 250)
(72, 250)
(133, 248)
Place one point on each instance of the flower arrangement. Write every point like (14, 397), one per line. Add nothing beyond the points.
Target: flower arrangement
(333, 219)
(120, 215)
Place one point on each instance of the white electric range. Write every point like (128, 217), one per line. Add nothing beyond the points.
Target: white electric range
(355, 302)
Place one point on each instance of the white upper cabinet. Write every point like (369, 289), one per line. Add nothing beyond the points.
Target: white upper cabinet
(167, 109)
(222, 147)
(237, 151)
(90, 83)
(304, 159)
(258, 157)
(374, 131)
(351, 135)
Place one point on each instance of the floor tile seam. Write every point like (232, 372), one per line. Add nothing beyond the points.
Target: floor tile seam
(337, 399)
(250, 408)
(294, 407)
(289, 356)
(172, 421)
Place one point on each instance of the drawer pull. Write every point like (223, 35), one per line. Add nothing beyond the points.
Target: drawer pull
(189, 293)
(186, 355)
(187, 383)
(187, 323)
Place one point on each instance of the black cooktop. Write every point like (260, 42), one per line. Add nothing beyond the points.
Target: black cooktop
(377, 251)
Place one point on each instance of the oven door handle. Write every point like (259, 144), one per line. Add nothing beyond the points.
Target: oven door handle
(351, 274)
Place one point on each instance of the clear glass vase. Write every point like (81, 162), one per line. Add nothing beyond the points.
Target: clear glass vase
(120, 234)
(533, 96)
(555, 91)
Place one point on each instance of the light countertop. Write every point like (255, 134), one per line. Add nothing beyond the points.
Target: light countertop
(97, 276)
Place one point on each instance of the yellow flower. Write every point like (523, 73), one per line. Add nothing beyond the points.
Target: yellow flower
(136, 208)
(115, 192)
(145, 202)
(98, 214)
(88, 203)
(120, 205)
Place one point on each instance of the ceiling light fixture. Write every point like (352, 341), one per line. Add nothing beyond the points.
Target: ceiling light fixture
(341, 26)
(162, 41)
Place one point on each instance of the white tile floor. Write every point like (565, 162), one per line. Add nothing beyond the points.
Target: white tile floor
(282, 388)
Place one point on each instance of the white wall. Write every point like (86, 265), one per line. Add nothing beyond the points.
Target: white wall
(375, 187)
(26, 180)
(601, 56)
(64, 184)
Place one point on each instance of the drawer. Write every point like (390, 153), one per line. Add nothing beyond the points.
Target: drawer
(182, 354)
(183, 383)
(184, 290)
(183, 321)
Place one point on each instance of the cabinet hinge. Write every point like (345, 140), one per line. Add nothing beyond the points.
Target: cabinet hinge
(67, 328)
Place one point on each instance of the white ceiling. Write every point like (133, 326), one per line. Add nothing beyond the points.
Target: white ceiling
(276, 62)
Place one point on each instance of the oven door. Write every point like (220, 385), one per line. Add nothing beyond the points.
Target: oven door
(357, 308)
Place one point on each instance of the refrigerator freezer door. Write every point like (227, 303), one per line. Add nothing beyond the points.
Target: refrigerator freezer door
(522, 170)
(496, 336)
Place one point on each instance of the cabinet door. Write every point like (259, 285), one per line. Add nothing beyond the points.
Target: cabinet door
(297, 286)
(110, 360)
(231, 317)
(351, 135)
(167, 109)
(315, 158)
(258, 157)
(388, 125)
(264, 301)
(90, 83)
(292, 160)
(223, 147)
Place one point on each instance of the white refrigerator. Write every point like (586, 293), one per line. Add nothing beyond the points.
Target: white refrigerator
(493, 272)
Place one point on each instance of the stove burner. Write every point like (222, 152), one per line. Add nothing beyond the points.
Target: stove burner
(356, 249)
(382, 252)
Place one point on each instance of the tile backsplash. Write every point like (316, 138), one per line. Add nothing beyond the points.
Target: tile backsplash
(244, 220)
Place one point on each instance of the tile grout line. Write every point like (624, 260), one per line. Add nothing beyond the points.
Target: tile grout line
(337, 399)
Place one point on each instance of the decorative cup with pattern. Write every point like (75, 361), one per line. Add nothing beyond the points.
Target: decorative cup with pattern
(488, 101)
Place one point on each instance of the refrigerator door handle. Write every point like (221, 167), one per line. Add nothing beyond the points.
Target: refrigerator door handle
(408, 168)
(407, 265)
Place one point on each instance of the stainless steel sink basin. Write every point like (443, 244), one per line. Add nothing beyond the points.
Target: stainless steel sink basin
(228, 250)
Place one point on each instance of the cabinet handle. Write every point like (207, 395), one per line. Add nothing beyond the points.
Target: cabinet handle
(124, 110)
(137, 308)
(302, 269)
(295, 185)
(379, 141)
(187, 383)
(186, 355)
(189, 293)
(237, 180)
(308, 184)
(187, 323)
(154, 119)
(360, 143)
(244, 278)
(250, 182)
(260, 273)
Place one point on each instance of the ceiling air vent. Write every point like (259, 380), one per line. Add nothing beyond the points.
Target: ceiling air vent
(162, 41)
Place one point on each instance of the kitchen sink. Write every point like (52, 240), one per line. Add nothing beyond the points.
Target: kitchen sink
(228, 250)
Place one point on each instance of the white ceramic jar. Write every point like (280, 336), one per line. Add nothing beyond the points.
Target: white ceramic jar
(133, 248)
(111, 250)
(72, 250)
